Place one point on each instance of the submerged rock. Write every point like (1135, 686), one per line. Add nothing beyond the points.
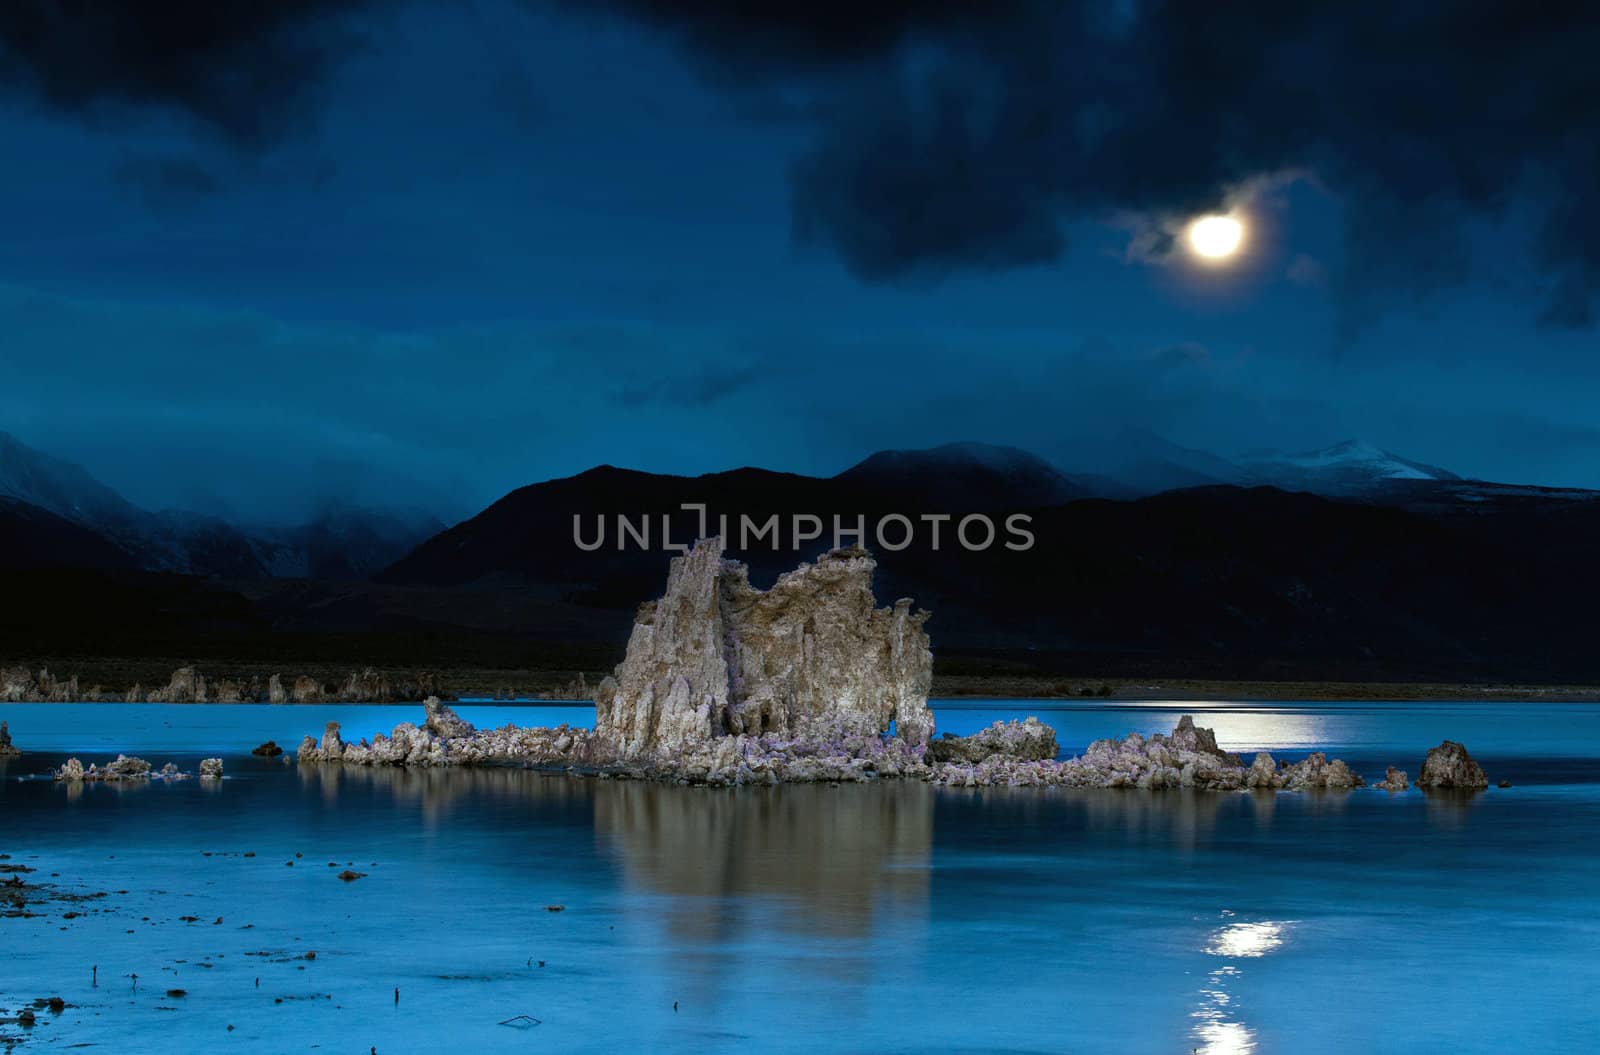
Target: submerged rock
(1450, 766)
(7, 748)
(1028, 740)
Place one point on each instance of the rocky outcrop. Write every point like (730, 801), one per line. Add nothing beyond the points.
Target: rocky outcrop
(1450, 766)
(185, 686)
(1394, 780)
(1317, 773)
(125, 767)
(20, 685)
(1263, 773)
(188, 685)
(7, 748)
(1028, 740)
(307, 690)
(811, 658)
(269, 749)
(443, 722)
(724, 684)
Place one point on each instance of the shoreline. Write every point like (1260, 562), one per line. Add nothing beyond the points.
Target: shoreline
(964, 691)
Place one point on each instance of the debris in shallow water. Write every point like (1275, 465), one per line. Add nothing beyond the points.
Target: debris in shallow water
(521, 1022)
(176, 993)
(1504, 784)
(350, 877)
(555, 908)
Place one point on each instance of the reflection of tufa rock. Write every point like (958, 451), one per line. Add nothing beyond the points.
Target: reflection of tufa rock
(1029, 740)
(1449, 766)
(811, 657)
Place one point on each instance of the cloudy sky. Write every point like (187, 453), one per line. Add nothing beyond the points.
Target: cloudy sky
(252, 256)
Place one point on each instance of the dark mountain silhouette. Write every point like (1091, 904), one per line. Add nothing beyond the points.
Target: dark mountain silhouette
(985, 476)
(34, 537)
(1424, 577)
(1134, 462)
(1224, 579)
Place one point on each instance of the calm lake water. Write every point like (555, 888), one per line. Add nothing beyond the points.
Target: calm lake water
(892, 918)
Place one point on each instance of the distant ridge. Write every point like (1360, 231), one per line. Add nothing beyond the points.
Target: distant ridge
(341, 543)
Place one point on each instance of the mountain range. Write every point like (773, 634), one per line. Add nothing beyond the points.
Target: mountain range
(1348, 563)
(338, 543)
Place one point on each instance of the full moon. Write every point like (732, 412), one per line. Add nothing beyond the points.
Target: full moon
(1216, 237)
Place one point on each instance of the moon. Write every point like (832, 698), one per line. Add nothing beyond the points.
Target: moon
(1216, 237)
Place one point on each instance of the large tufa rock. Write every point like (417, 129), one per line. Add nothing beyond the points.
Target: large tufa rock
(7, 748)
(1029, 740)
(211, 769)
(1449, 766)
(813, 658)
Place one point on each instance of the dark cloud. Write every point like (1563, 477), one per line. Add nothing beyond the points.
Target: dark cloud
(964, 136)
(954, 136)
(245, 68)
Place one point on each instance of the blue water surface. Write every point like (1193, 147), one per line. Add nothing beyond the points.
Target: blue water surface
(888, 918)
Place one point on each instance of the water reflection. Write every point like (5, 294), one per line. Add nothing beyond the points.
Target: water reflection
(1246, 939)
(809, 859)
(1218, 1026)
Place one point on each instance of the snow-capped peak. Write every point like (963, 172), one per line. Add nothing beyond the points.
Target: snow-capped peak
(1351, 461)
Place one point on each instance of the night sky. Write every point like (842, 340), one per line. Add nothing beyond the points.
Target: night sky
(425, 253)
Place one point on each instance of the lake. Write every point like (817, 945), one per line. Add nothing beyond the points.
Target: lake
(887, 918)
